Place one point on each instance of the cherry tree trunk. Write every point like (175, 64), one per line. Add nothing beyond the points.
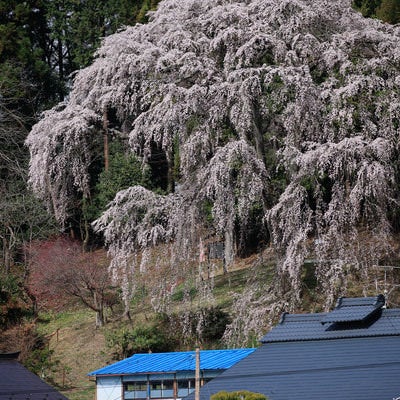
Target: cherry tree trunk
(99, 307)
(229, 254)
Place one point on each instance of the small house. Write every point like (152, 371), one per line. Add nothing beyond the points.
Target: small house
(162, 376)
(350, 353)
(18, 383)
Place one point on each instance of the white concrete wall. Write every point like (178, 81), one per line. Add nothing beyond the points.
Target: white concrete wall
(109, 388)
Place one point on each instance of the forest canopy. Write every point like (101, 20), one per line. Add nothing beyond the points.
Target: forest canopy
(260, 122)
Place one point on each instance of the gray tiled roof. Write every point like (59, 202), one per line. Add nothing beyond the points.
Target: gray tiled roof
(17, 383)
(340, 369)
(360, 301)
(357, 309)
(357, 317)
(309, 327)
(304, 359)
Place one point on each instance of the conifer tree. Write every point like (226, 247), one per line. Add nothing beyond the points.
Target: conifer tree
(389, 11)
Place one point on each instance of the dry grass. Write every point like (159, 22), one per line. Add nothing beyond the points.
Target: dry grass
(78, 347)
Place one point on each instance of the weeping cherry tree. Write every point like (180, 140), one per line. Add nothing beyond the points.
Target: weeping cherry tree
(288, 107)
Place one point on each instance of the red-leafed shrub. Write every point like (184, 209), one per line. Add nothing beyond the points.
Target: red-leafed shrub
(61, 271)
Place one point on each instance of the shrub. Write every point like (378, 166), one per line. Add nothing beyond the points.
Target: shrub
(126, 342)
(13, 305)
(238, 395)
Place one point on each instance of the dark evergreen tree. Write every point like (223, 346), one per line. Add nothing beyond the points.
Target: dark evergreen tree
(385, 10)
(27, 86)
(25, 69)
(367, 7)
(78, 26)
(41, 43)
(389, 11)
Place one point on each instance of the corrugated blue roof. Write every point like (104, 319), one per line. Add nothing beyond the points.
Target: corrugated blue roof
(174, 362)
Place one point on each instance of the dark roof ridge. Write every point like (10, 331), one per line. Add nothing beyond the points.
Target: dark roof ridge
(355, 309)
(360, 301)
(300, 317)
(287, 317)
(395, 311)
(10, 356)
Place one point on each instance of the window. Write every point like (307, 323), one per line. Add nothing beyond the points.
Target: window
(185, 387)
(154, 389)
(168, 388)
(135, 390)
(162, 389)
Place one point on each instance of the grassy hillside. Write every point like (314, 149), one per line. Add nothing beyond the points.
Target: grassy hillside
(78, 348)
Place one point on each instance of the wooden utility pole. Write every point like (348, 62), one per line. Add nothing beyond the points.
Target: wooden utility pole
(197, 376)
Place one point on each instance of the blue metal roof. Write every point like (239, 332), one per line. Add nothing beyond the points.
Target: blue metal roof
(174, 362)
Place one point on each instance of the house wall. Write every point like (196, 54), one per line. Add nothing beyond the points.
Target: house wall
(153, 386)
(108, 387)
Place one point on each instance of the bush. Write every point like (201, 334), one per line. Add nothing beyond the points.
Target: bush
(36, 354)
(239, 395)
(126, 342)
(13, 306)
